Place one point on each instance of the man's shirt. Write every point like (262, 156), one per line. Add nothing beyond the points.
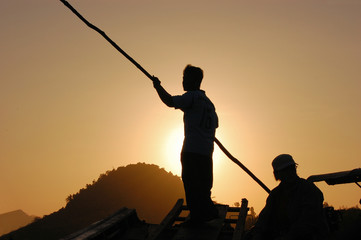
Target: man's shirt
(200, 121)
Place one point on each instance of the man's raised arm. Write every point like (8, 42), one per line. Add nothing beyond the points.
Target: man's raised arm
(163, 94)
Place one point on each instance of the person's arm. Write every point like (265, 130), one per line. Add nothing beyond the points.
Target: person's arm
(163, 94)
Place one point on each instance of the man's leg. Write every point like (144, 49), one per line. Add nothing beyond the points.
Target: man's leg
(208, 209)
(191, 184)
(197, 176)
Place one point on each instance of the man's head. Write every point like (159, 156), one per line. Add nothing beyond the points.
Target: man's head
(192, 78)
(284, 167)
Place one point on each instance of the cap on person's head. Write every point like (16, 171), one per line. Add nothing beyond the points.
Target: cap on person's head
(282, 161)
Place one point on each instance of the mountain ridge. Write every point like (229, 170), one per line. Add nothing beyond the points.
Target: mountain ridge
(147, 188)
(13, 220)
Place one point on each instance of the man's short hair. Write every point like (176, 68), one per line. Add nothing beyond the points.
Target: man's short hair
(195, 73)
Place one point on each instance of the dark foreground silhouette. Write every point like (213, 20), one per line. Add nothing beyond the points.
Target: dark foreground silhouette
(294, 209)
(147, 188)
(200, 123)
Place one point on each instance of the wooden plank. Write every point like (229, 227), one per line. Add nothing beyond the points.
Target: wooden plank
(207, 231)
(105, 226)
(167, 221)
(239, 230)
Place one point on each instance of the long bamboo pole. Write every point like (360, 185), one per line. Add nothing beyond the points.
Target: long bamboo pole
(151, 78)
(236, 161)
(107, 38)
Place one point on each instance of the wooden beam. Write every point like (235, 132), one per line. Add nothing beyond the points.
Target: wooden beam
(239, 230)
(167, 221)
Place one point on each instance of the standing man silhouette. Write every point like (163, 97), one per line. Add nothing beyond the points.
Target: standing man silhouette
(200, 123)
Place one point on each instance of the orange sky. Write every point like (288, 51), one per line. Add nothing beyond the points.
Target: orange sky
(284, 76)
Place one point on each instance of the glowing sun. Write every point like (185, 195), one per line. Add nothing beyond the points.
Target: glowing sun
(173, 149)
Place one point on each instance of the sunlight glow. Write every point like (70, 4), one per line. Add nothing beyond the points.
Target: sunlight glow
(217, 158)
(173, 149)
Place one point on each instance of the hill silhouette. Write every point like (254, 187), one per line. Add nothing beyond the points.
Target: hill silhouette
(13, 220)
(147, 188)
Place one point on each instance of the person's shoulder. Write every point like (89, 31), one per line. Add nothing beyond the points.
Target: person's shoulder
(306, 184)
(191, 93)
(195, 94)
(276, 190)
(188, 94)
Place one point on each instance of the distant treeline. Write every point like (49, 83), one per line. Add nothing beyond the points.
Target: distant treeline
(150, 190)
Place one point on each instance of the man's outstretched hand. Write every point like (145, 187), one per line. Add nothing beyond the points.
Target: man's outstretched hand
(156, 82)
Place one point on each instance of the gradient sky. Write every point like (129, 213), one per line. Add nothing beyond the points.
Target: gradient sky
(284, 76)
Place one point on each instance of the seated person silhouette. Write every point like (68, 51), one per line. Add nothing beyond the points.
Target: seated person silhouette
(294, 209)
